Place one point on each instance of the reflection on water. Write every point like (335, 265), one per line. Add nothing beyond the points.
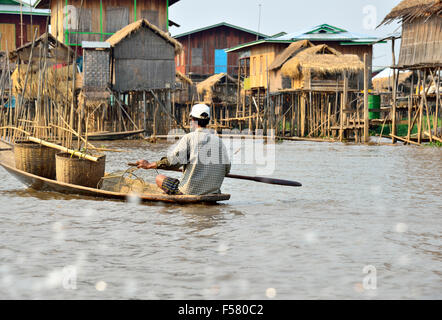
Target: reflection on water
(359, 207)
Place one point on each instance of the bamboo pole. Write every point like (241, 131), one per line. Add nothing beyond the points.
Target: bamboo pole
(55, 146)
(366, 118)
(428, 116)
(436, 115)
(328, 119)
(434, 138)
(405, 140)
(410, 99)
(343, 107)
(63, 149)
(302, 119)
(168, 112)
(393, 112)
(436, 82)
(421, 107)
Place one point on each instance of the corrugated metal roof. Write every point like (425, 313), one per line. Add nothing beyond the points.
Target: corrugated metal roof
(254, 43)
(323, 32)
(326, 32)
(95, 45)
(225, 24)
(45, 3)
(15, 9)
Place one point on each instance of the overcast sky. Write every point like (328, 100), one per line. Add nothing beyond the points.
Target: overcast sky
(359, 16)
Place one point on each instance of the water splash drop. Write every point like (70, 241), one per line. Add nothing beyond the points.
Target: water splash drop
(271, 293)
(401, 228)
(101, 286)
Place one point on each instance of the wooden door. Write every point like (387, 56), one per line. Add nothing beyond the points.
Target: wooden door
(220, 61)
(7, 34)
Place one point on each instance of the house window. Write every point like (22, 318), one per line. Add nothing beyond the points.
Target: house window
(30, 33)
(80, 26)
(80, 23)
(116, 18)
(261, 64)
(254, 66)
(197, 56)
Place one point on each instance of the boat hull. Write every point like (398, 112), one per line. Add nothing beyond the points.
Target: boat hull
(44, 184)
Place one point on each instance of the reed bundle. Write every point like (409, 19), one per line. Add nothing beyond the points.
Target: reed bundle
(56, 83)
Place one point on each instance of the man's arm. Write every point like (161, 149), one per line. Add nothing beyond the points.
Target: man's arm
(163, 164)
(176, 159)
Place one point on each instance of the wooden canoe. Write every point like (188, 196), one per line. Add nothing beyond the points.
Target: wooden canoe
(43, 184)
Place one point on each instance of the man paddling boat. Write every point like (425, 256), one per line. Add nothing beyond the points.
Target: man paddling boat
(203, 156)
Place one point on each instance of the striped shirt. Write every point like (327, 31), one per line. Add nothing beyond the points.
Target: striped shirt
(205, 160)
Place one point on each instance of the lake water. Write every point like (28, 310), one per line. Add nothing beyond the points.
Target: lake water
(365, 225)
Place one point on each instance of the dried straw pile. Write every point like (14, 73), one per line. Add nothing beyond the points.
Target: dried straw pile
(53, 83)
(183, 79)
(135, 26)
(321, 60)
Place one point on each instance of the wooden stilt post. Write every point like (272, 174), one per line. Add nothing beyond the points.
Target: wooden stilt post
(343, 115)
(436, 113)
(302, 115)
(328, 119)
(292, 122)
(410, 106)
(366, 118)
(427, 110)
(145, 112)
(341, 122)
(421, 108)
(250, 116)
(393, 111)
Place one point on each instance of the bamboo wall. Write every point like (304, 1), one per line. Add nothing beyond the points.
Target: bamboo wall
(96, 16)
(261, 56)
(421, 42)
(143, 61)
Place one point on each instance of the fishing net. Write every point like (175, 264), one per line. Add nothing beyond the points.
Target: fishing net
(126, 181)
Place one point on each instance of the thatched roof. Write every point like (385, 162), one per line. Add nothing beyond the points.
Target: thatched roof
(135, 26)
(289, 52)
(205, 88)
(182, 78)
(409, 10)
(211, 81)
(384, 80)
(321, 59)
(57, 51)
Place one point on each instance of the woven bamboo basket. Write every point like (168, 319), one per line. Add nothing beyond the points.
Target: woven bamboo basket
(82, 172)
(34, 158)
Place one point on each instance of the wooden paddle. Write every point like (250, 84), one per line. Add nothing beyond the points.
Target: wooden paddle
(278, 182)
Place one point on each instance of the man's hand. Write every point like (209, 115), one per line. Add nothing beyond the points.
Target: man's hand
(143, 164)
